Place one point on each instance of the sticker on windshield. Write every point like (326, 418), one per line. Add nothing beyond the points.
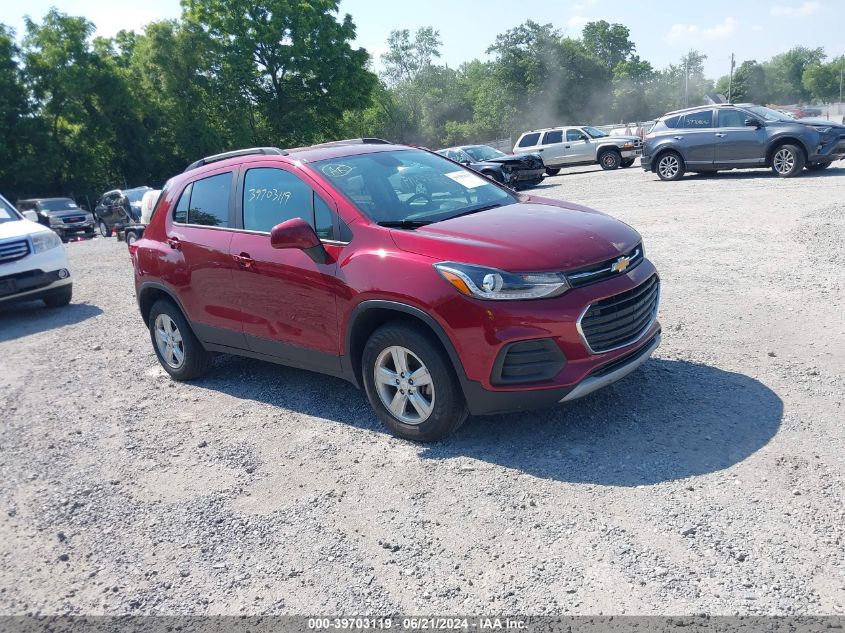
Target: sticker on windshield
(466, 179)
(4, 215)
(337, 170)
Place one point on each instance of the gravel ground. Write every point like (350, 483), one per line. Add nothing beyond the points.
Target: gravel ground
(711, 480)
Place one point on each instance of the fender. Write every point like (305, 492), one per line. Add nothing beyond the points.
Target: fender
(154, 285)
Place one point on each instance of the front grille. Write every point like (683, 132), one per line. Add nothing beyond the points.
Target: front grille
(73, 220)
(528, 361)
(622, 319)
(10, 251)
(606, 269)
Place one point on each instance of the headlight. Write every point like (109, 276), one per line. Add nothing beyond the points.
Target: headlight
(628, 146)
(54, 221)
(44, 241)
(491, 283)
(822, 129)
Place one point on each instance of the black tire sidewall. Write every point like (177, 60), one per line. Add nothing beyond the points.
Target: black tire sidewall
(681, 170)
(552, 171)
(197, 359)
(616, 156)
(449, 406)
(798, 164)
(100, 226)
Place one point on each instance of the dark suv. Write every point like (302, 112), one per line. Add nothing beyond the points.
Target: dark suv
(60, 214)
(440, 292)
(119, 208)
(727, 136)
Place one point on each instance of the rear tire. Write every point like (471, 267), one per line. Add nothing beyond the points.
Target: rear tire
(427, 411)
(610, 159)
(670, 166)
(59, 297)
(131, 238)
(787, 161)
(177, 348)
(104, 229)
(552, 171)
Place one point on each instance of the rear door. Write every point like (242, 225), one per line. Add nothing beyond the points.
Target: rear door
(554, 150)
(200, 266)
(738, 144)
(287, 300)
(696, 137)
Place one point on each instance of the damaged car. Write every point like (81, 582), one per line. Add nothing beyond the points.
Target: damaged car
(517, 172)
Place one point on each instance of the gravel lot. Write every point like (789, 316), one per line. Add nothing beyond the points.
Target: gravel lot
(711, 480)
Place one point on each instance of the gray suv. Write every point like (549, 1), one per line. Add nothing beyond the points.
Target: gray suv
(727, 136)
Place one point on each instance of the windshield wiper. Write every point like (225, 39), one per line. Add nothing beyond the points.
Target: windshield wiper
(404, 224)
(471, 211)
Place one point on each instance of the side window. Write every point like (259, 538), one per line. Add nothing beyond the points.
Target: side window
(672, 122)
(529, 140)
(180, 212)
(698, 120)
(574, 135)
(272, 196)
(323, 219)
(555, 136)
(210, 201)
(731, 118)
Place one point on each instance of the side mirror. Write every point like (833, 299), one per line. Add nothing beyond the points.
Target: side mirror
(297, 233)
(586, 139)
(753, 122)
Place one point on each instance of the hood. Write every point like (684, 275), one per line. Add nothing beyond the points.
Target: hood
(532, 236)
(63, 213)
(821, 122)
(20, 228)
(528, 160)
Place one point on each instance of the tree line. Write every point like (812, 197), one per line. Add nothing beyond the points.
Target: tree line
(81, 114)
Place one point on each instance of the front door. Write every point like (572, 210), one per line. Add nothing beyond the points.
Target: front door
(579, 148)
(287, 300)
(738, 144)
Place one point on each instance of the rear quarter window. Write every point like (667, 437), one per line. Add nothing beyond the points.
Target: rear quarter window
(529, 140)
(671, 123)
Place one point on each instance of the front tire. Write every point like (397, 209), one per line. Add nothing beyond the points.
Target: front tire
(131, 238)
(552, 171)
(59, 297)
(610, 160)
(104, 229)
(788, 161)
(670, 166)
(627, 162)
(177, 348)
(411, 384)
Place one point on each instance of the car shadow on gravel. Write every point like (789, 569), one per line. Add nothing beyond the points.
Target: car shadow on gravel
(669, 420)
(666, 421)
(833, 171)
(23, 319)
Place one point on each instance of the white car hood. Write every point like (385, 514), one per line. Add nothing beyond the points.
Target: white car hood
(20, 228)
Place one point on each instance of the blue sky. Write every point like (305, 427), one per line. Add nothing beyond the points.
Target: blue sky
(662, 31)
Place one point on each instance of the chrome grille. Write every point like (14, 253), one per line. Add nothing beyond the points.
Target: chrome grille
(604, 270)
(73, 219)
(620, 320)
(12, 250)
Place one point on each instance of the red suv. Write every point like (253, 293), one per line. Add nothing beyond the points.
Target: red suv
(439, 291)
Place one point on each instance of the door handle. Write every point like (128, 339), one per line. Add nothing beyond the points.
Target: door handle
(678, 138)
(566, 146)
(720, 135)
(244, 260)
(174, 243)
(539, 150)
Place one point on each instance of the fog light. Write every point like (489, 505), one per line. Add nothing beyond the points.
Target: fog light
(63, 273)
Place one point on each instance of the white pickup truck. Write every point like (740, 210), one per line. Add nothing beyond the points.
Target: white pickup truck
(579, 145)
(33, 261)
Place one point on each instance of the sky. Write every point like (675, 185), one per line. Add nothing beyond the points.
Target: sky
(662, 31)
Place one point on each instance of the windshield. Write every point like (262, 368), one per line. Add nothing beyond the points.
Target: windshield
(767, 114)
(595, 132)
(59, 204)
(483, 152)
(411, 186)
(135, 195)
(7, 212)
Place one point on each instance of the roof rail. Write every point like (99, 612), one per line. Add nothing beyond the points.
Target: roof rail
(238, 152)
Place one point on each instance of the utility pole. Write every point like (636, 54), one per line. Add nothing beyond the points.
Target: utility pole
(731, 80)
(686, 82)
(841, 74)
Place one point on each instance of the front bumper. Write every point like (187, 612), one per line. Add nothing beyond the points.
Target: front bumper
(34, 274)
(74, 228)
(631, 153)
(830, 151)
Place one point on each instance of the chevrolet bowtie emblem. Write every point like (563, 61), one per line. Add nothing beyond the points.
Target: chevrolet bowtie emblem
(620, 265)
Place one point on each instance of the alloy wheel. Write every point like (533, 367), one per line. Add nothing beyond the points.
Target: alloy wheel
(668, 166)
(404, 385)
(104, 230)
(169, 341)
(783, 161)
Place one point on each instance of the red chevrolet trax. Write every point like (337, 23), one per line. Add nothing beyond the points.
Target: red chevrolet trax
(438, 291)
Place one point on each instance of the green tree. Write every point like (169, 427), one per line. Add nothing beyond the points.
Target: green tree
(749, 84)
(824, 81)
(406, 58)
(785, 73)
(610, 43)
(17, 128)
(293, 59)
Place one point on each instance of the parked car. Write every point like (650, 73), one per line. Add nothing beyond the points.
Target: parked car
(60, 214)
(135, 231)
(579, 145)
(118, 208)
(517, 172)
(33, 262)
(727, 136)
(454, 298)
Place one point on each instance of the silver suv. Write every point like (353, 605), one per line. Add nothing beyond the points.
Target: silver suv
(579, 145)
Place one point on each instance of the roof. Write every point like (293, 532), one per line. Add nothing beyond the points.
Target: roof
(709, 106)
(45, 199)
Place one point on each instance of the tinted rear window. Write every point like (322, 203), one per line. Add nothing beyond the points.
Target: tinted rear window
(529, 140)
(672, 122)
(695, 120)
(555, 136)
(210, 201)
